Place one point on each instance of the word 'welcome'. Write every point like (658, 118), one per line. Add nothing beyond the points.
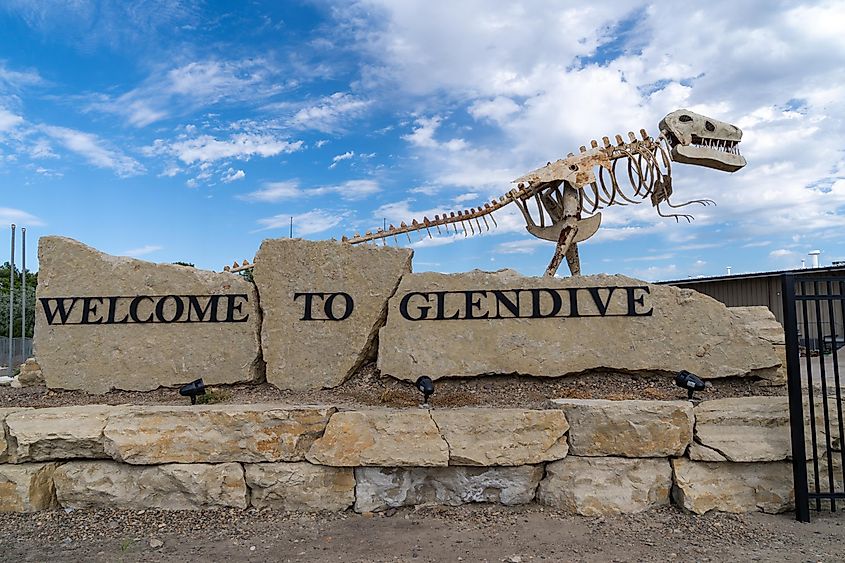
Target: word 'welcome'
(145, 309)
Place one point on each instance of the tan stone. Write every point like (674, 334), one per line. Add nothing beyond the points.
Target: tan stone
(732, 487)
(300, 486)
(27, 487)
(98, 484)
(4, 446)
(30, 374)
(600, 427)
(742, 429)
(379, 488)
(214, 433)
(380, 438)
(686, 330)
(58, 433)
(600, 486)
(502, 436)
(99, 356)
(313, 354)
(761, 321)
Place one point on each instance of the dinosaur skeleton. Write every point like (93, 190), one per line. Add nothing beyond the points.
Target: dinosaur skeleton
(571, 195)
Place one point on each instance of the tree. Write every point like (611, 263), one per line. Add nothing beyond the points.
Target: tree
(31, 282)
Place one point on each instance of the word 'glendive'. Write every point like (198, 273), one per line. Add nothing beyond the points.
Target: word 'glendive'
(144, 309)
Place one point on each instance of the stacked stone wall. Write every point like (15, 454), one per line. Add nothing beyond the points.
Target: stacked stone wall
(589, 457)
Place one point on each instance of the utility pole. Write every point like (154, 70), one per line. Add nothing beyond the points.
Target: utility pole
(291, 227)
(11, 300)
(23, 287)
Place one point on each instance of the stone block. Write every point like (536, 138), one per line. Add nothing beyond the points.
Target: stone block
(502, 436)
(599, 427)
(105, 322)
(742, 429)
(4, 445)
(391, 487)
(300, 486)
(601, 486)
(382, 437)
(27, 487)
(58, 433)
(475, 323)
(214, 433)
(323, 303)
(700, 487)
(106, 484)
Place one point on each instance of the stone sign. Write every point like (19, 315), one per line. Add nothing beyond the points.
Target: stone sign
(106, 322)
(459, 325)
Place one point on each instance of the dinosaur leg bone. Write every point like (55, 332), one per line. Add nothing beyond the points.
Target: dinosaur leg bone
(567, 236)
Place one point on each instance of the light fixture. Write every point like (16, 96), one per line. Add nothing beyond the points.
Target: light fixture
(426, 387)
(690, 382)
(193, 389)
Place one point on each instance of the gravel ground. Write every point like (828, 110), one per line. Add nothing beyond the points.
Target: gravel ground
(369, 388)
(467, 533)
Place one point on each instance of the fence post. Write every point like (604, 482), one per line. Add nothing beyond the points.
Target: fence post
(796, 407)
(23, 289)
(11, 302)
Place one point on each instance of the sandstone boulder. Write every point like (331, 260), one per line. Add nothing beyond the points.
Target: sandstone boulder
(627, 428)
(58, 433)
(214, 433)
(460, 325)
(391, 487)
(101, 484)
(732, 487)
(502, 436)
(742, 429)
(382, 437)
(4, 445)
(30, 373)
(105, 322)
(300, 486)
(323, 303)
(761, 321)
(27, 487)
(600, 486)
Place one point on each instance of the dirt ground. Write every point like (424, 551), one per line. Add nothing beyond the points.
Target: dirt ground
(368, 388)
(467, 533)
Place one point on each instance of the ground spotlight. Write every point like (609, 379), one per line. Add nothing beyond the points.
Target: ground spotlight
(193, 389)
(690, 382)
(426, 387)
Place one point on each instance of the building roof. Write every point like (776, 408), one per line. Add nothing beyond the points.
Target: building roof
(827, 270)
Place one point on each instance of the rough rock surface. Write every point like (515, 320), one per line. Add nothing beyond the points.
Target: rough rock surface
(599, 486)
(381, 438)
(300, 486)
(27, 487)
(30, 373)
(214, 434)
(599, 427)
(742, 429)
(381, 488)
(4, 444)
(90, 484)
(502, 436)
(58, 433)
(95, 355)
(319, 353)
(761, 321)
(685, 330)
(732, 487)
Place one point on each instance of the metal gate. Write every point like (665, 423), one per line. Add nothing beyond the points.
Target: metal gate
(813, 310)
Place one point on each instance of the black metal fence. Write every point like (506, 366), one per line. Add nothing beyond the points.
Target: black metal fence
(814, 310)
(21, 350)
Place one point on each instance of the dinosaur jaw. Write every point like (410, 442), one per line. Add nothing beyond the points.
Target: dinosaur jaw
(719, 154)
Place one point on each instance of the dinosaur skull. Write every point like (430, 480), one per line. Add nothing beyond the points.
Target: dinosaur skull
(696, 139)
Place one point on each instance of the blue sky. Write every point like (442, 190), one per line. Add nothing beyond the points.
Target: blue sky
(192, 130)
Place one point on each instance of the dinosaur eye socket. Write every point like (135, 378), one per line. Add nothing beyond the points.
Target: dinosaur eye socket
(573, 167)
(685, 118)
(709, 126)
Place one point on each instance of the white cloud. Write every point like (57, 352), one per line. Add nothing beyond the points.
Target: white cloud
(19, 217)
(329, 113)
(782, 253)
(232, 175)
(524, 246)
(290, 189)
(304, 224)
(93, 149)
(9, 120)
(338, 158)
(142, 250)
(205, 148)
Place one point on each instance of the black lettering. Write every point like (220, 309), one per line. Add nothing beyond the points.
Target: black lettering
(113, 311)
(601, 305)
(512, 306)
(60, 308)
(573, 301)
(231, 308)
(403, 306)
(179, 309)
(329, 309)
(470, 304)
(634, 301)
(309, 298)
(441, 307)
(535, 308)
(88, 309)
(210, 309)
(133, 309)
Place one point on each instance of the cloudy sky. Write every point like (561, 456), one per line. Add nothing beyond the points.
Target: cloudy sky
(192, 130)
